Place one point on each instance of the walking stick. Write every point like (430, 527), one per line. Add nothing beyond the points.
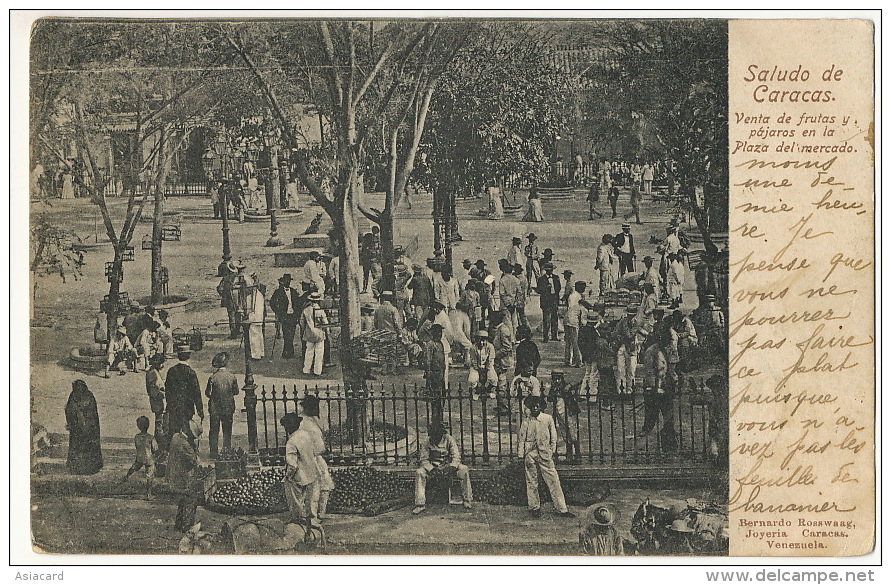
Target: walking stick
(274, 339)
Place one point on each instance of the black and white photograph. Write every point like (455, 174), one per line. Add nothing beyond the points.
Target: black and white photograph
(378, 286)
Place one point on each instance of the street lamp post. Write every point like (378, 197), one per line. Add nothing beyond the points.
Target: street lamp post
(250, 388)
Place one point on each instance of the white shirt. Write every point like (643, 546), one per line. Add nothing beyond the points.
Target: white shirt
(575, 313)
(672, 244)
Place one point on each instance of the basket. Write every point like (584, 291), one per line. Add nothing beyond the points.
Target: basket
(377, 347)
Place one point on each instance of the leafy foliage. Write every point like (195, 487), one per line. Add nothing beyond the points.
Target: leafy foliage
(498, 111)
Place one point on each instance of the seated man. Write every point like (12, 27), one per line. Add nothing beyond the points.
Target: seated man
(443, 458)
(120, 350)
(525, 384)
(481, 374)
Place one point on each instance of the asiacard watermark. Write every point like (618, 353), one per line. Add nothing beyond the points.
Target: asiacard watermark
(777, 575)
(24, 576)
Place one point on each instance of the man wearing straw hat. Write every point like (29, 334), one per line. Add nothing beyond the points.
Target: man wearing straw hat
(597, 531)
(311, 324)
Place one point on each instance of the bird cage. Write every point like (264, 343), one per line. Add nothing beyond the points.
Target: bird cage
(196, 338)
(147, 242)
(129, 255)
(123, 303)
(180, 340)
(109, 272)
(171, 233)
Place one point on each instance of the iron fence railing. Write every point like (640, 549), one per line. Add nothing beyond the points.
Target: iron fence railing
(388, 425)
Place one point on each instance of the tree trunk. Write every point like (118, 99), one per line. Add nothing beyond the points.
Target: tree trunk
(347, 230)
(157, 241)
(388, 243)
(114, 289)
(701, 218)
(160, 180)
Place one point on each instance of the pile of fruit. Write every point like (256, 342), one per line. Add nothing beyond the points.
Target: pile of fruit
(357, 488)
(256, 493)
(507, 487)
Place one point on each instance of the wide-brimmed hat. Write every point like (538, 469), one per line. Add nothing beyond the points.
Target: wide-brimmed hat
(220, 360)
(565, 272)
(531, 236)
(601, 515)
(480, 262)
(483, 334)
(315, 296)
(547, 252)
(310, 400)
(626, 226)
(680, 525)
(437, 304)
(286, 277)
(291, 419)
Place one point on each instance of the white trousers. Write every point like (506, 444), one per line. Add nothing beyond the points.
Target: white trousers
(539, 462)
(314, 357)
(626, 366)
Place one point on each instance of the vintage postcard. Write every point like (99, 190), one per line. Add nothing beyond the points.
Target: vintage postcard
(449, 286)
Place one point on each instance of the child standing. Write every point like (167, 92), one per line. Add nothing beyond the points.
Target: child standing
(146, 447)
(537, 443)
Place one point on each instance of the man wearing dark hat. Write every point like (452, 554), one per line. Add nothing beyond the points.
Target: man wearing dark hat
(222, 387)
(435, 372)
(515, 254)
(650, 275)
(183, 393)
(635, 203)
(624, 244)
(388, 318)
(443, 457)
(567, 290)
(533, 270)
(626, 336)
(508, 291)
(287, 305)
(549, 294)
(503, 342)
(233, 296)
(302, 474)
(547, 256)
(421, 289)
(314, 272)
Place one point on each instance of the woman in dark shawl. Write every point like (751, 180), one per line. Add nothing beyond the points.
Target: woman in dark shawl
(82, 417)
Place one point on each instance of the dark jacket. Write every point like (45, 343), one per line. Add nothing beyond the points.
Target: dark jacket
(528, 355)
(279, 303)
(183, 392)
(619, 241)
(222, 387)
(422, 290)
(546, 297)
